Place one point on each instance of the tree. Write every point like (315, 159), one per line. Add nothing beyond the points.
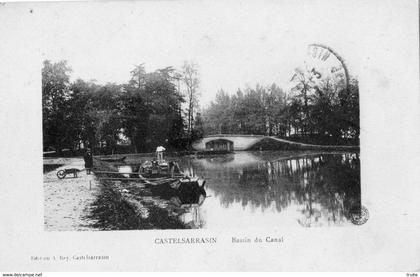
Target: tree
(304, 87)
(191, 82)
(151, 108)
(82, 113)
(134, 116)
(198, 131)
(274, 101)
(349, 109)
(253, 112)
(106, 114)
(176, 136)
(55, 82)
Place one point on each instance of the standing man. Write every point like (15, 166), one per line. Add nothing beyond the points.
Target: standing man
(88, 160)
(159, 153)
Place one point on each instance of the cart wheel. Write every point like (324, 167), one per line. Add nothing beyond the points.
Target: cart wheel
(61, 174)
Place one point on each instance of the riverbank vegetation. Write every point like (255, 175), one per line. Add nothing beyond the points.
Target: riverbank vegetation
(145, 112)
(125, 205)
(162, 108)
(309, 113)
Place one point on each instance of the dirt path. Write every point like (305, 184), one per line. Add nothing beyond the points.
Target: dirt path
(67, 201)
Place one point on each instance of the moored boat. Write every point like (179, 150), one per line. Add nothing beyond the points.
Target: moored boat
(155, 169)
(183, 191)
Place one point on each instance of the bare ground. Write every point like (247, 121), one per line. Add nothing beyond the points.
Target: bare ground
(67, 202)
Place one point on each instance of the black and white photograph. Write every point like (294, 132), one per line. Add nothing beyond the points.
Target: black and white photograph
(200, 138)
(278, 127)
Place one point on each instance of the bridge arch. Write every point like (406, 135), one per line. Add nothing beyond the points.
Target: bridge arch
(219, 144)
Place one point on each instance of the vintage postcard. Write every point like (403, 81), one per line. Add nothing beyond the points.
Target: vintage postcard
(210, 136)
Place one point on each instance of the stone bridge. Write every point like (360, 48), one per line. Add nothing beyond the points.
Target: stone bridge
(233, 142)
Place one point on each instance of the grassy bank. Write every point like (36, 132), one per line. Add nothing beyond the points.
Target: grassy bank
(124, 205)
(269, 143)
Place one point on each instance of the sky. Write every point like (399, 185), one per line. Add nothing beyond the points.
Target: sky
(235, 44)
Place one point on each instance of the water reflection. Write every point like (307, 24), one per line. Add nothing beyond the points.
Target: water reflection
(272, 189)
(263, 190)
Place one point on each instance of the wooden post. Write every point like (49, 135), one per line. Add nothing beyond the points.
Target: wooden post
(90, 184)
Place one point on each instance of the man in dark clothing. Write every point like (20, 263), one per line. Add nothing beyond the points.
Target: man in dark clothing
(88, 161)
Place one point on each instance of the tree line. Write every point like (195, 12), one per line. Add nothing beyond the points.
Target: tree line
(162, 108)
(325, 112)
(151, 109)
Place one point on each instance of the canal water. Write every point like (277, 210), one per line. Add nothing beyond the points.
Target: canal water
(272, 189)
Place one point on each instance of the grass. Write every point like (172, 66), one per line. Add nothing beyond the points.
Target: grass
(114, 210)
